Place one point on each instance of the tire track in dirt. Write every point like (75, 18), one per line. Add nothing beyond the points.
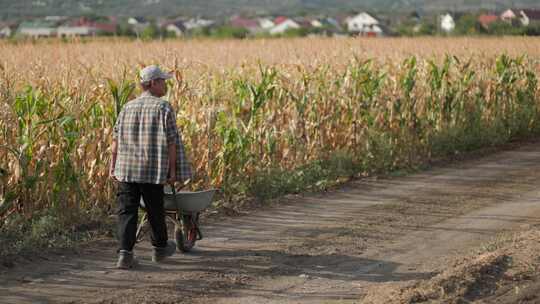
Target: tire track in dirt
(314, 249)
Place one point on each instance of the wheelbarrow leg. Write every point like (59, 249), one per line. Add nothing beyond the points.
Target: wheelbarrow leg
(140, 231)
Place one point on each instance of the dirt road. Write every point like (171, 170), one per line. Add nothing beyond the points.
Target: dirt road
(320, 248)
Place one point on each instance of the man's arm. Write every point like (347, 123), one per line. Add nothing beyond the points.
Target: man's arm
(114, 152)
(183, 165)
(170, 127)
(172, 162)
(114, 145)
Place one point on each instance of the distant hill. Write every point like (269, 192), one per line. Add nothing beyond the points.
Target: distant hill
(17, 8)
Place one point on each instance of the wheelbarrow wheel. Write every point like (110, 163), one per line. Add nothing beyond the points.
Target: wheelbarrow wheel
(186, 234)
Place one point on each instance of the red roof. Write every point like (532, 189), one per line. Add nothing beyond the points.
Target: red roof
(486, 20)
(280, 20)
(108, 27)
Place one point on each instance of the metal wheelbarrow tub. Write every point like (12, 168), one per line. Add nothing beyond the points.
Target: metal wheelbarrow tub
(187, 201)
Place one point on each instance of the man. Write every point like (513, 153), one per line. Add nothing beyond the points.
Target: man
(147, 152)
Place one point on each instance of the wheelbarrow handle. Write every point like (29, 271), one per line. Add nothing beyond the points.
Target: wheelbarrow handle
(182, 185)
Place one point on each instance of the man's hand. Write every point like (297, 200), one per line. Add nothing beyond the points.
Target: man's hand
(111, 175)
(171, 179)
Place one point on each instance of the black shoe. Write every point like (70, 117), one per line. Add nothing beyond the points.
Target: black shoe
(160, 253)
(126, 260)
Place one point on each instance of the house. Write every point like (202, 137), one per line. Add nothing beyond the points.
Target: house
(106, 28)
(73, 31)
(316, 23)
(56, 19)
(448, 24)
(508, 16)
(37, 29)
(86, 27)
(266, 24)
(138, 24)
(7, 29)
(485, 20)
(364, 24)
(310, 22)
(137, 21)
(529, 17)
(304, 22)
(195, 23)
(283, 25)
(360, 22)
(102, 26)
(280, 19)
(251, 25)
(333, 24)
(175, 27)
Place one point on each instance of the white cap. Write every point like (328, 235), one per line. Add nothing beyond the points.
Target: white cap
(153, 72)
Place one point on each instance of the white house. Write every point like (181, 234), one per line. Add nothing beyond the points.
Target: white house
(448, 24)
(177, 28)
(37, 29)
(316, 23)
(195, 23)
(364, 24)
(38, 32)
(525, 21)
(56, 19)
(508, 16)
(284, 26)
(72, 31)
(266, 24)
(137, 21)
(5, 31)
(138, 24)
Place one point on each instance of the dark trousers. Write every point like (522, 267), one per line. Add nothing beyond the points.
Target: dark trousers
(129, 197)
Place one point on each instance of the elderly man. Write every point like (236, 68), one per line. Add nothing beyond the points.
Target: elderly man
(147, 152)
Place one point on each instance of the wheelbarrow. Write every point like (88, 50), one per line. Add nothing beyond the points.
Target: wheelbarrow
(183, 209)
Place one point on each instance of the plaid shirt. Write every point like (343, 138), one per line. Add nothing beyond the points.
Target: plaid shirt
(143, 130)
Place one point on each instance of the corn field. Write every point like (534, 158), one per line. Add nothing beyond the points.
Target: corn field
(248, 107)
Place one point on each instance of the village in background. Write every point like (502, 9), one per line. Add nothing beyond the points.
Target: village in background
(508, 22)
